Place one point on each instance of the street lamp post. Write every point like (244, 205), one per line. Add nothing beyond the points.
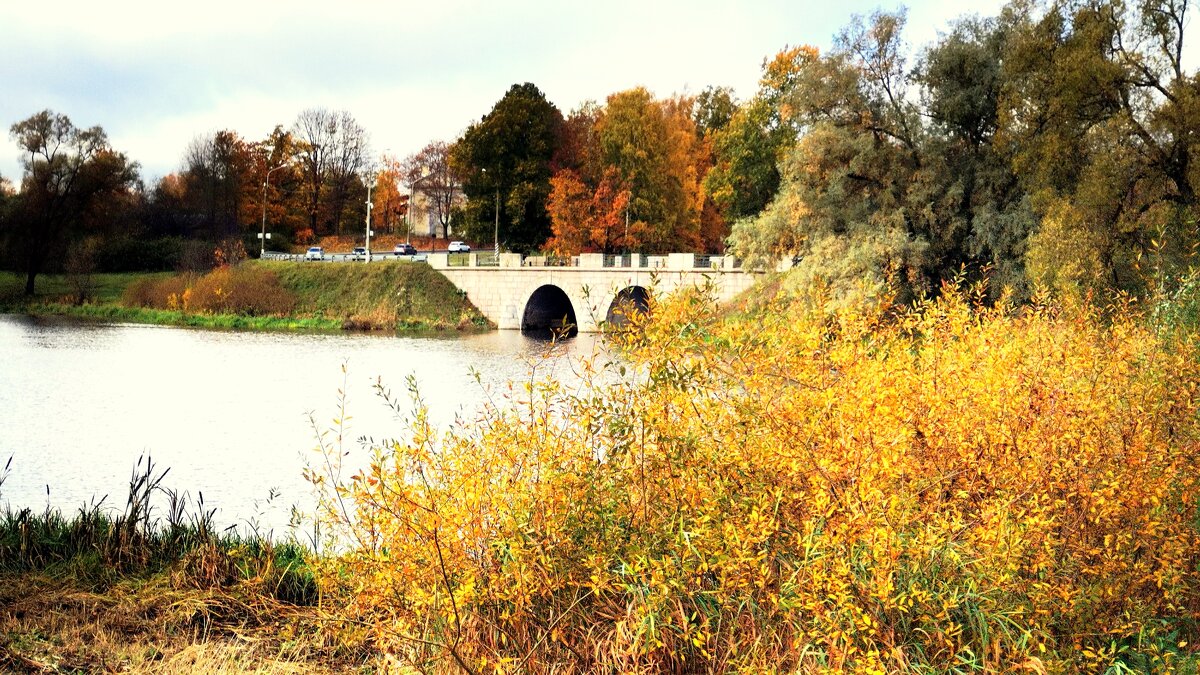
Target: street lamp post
(408, 215)
(496, 232)
(369, 207)
(263, 235)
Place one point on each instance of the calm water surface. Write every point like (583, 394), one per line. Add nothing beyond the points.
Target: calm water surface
(227, 412)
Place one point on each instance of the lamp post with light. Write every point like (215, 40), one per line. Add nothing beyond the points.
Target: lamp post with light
(496, 227)
(263, 235)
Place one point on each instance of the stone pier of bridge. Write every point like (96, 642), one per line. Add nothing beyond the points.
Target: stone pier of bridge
(517, 292)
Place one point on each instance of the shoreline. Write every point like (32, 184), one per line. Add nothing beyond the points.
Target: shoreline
(326, 301)
(110, 313)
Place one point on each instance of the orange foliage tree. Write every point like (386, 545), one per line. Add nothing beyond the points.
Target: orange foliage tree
(651, 156)
(389, 201)
(589, 220)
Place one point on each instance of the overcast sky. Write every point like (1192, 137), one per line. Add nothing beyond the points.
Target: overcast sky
(156, 74)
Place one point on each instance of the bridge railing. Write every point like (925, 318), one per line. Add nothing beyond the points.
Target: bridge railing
(441, 260)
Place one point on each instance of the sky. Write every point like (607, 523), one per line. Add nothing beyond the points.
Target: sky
(156, 75)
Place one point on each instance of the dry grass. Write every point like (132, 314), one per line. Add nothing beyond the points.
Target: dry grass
(50, 625)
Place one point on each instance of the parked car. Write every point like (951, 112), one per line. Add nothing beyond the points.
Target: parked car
(405, 249)
(360, 253)
(315, 253)
(458, 247)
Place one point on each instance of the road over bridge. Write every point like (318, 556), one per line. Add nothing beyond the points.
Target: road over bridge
(531, 293)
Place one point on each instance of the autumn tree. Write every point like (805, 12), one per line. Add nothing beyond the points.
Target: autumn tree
(989, 217)
(278, 178)
(748, 148)
(390, 198)
(431, 172)
(73, 183)
(587, 219)
(1101, 118)
(653, 147)
(217, 175)
(714, 109)
(348, 165)
(847, 206)
(505, 159)
(333, 151)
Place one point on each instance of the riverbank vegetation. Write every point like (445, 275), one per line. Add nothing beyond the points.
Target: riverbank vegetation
(157, 587)
(955, 486)
(260, 295)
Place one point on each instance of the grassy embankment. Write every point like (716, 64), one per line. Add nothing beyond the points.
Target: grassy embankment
(260, 296)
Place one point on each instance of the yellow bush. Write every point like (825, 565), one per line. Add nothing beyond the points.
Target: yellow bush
(957, 488)
(241, 289)
(238, 289)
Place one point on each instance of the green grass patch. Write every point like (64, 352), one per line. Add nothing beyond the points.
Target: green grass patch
(167, 317)
(57, 289)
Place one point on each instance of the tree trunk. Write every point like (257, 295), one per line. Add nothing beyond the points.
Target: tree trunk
(29, 283)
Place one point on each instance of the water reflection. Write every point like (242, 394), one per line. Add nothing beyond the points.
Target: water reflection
(227, 411)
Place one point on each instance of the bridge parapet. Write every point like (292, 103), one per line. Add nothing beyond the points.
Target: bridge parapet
(675, 262)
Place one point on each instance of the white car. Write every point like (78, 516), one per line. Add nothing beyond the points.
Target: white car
(458, 247)
(315, 253)
(360, 253)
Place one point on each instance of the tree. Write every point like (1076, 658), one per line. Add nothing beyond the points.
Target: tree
(431, 172)
(586, 219)
(333, 151)
(348, 159)
(73, 182)
(988, 217)
(218, 180)
(714, 109)
(506, 158)
(651, 146)
(389, 200)
(278, 178)
(1100, 119)
(853, 202)
(315, 129)
(748, 148)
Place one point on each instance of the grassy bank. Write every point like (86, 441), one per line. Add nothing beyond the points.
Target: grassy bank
(267, 296)
(158, 588)
(378, 296)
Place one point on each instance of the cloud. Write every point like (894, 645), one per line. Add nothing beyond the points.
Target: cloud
(155, 75)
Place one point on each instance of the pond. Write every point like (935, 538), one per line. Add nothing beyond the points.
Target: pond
(227, 412)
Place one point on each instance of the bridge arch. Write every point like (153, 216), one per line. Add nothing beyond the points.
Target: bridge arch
(629, 301)
(549, 313)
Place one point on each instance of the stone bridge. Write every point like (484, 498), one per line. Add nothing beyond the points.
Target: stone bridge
(531, 293)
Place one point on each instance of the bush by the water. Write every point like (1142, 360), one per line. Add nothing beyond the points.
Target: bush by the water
(957, 489)
(231, 289)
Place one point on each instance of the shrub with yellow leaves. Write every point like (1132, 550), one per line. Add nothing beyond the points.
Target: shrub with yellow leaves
(951, 487)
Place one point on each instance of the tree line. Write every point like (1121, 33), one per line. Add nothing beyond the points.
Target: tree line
(1048, 145)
